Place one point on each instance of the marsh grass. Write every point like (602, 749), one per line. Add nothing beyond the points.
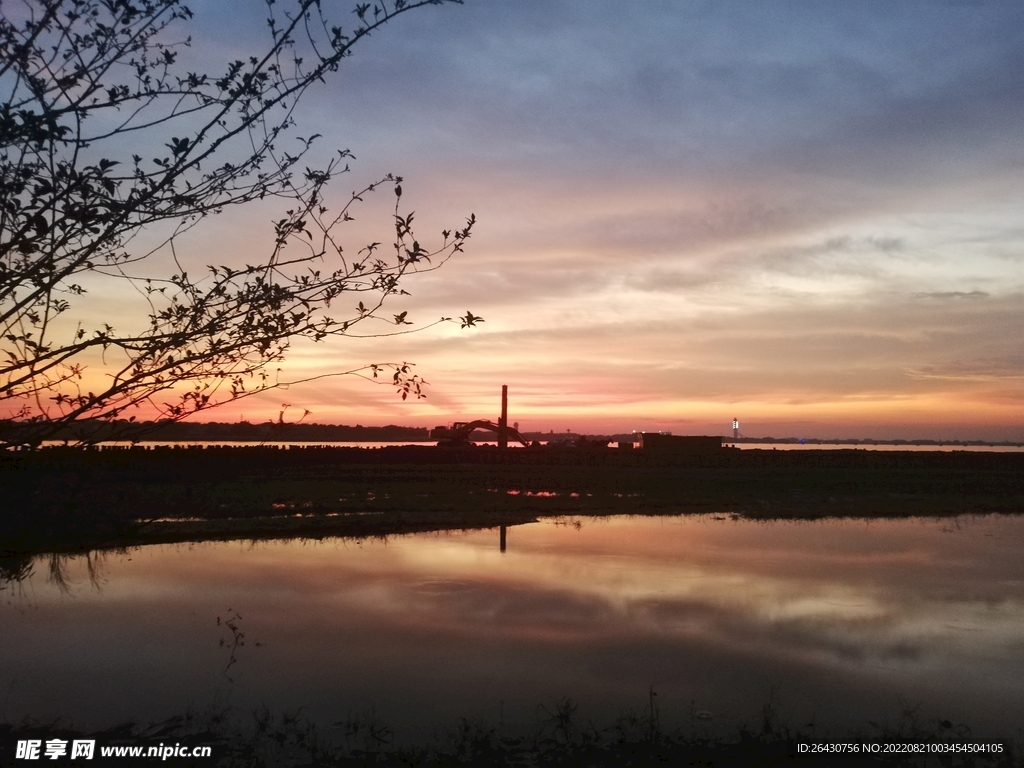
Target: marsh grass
(560, 736)
(74, 502)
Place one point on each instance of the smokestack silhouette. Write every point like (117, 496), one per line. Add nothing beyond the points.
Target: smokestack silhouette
(503, 421)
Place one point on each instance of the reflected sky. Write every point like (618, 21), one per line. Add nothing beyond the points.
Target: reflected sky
(850, 621)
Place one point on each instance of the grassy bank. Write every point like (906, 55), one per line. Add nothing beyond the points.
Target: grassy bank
(64, 500)
(559, 738)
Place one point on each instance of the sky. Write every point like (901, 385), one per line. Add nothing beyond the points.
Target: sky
(804, 215)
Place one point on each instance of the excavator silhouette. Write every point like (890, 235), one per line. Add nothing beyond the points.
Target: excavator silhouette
(457, 435)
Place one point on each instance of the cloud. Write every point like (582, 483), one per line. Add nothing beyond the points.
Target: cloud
(954, 295)
(686, 90)
(684, 206)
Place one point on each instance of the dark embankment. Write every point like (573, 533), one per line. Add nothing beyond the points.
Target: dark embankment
(64, 499)
(560, 738)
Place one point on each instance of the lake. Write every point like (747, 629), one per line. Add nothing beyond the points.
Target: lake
(945, 448)
(839, 622)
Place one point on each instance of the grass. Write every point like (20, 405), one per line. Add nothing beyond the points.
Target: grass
(559, 738)
(67, 500)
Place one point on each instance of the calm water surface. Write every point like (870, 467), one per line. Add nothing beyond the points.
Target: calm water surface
(840, 622)
(726, 441)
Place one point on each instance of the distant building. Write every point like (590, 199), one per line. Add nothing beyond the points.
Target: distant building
(656, 442)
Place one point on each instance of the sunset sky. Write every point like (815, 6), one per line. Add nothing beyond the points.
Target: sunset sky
(804, 215)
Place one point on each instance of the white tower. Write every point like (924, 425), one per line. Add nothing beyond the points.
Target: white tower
(735, 428)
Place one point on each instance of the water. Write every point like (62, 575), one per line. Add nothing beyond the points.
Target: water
(841, 622)
(250, 443)
(744, 446)
(945, 448)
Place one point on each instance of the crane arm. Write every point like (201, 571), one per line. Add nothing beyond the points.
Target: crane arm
(460, 431)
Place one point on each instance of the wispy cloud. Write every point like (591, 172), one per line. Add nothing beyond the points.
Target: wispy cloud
(796, 207)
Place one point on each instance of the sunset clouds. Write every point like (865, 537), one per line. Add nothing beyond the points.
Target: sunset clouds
(804, 215)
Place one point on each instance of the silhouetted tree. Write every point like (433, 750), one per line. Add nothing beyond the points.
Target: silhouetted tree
(106, 133)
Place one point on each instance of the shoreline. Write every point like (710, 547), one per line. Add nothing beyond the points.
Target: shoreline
(558, 735)
(67, 500)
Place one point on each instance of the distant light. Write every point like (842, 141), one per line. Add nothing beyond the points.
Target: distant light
(735, 423)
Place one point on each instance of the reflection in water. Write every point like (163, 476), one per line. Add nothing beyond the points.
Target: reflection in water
(14, 570)
(839, 622)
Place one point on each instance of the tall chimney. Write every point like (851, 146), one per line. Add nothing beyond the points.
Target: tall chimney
(503, 421)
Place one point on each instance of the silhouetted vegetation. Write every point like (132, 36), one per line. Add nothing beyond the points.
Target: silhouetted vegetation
(560, 737)
(122, 430)
(65, 499)
(90, 91)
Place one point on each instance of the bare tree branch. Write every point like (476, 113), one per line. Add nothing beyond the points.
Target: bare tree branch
(82, 82)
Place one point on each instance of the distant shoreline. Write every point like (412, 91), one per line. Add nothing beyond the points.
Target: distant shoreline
(283, 432)
(870, 441)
